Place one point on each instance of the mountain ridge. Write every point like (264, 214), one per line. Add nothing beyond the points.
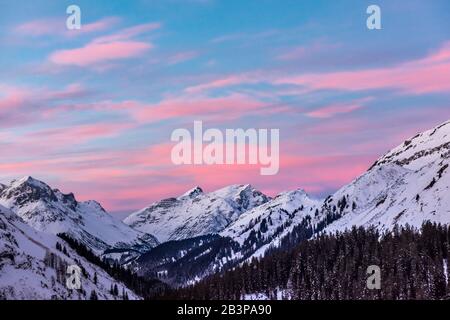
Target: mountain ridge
(195, 213)
(49, 210)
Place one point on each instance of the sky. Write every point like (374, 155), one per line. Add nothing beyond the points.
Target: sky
(91, 111)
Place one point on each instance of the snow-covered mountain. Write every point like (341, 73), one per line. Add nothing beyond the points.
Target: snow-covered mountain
(196, 213)
(256, 230)
(265, 224)
(202, 233)
(408, 185)
(32, 268)
(51, 211)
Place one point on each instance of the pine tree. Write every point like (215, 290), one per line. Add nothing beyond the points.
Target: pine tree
(93, 295)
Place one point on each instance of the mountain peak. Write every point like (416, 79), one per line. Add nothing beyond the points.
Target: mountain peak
(196, 213)
(296, 192)
(30, 181)
(49, 210)
(422, 149)
(192, 193)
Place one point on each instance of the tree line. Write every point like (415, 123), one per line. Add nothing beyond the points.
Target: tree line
(146, 288)
(413, 264)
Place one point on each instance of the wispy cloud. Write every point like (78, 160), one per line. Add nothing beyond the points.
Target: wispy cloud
(115, 46)
(94, 53)
(181, 57)
(338, 108)
(430, 74)
(229, 107)
(57, 27)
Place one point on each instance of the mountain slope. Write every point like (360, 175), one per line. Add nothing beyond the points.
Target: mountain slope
(32, 268)
(195, 213)
(186, 261)
(408, 185)
(264, 225)
(51, 211)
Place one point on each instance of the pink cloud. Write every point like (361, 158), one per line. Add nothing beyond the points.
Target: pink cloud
(99, 52)
(124, 179)
(22, 105)
(337, 108)
(57, 26)
(128, 33)
(224, 82)
(78, 134)
(106, 48)
(431, 74)
(100, 25)
(329, 111)
(40, 27)
(11, 98)
(221, 108)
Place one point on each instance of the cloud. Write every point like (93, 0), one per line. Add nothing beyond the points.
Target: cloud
(57, 26)
(428, 75)
(332, 110)
(223, 108)
(181, 57)
(12, 98)
(128, 33)
(71, 135)
(99, 52)
(223, 82)
(20, 106)
(338, 108)
(108, 48)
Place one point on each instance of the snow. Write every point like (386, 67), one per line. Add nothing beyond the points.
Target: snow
(26, 276)
(283, 208)
(401, 191)
(445, 265)
(195, 213)
(397, 190)
(280, 294)
(53, 212)
(421, 149)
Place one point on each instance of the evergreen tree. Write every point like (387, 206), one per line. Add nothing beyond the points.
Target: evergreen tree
(93, 295)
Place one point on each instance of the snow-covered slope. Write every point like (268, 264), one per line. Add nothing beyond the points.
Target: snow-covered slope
(265, 224)
(51, 211)
(408, 185)
(32, 268)
(196, 213)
